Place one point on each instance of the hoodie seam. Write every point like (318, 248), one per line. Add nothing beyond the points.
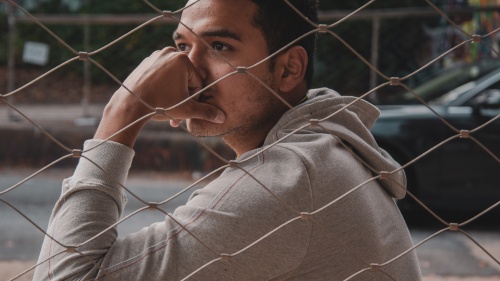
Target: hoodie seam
(306, 252)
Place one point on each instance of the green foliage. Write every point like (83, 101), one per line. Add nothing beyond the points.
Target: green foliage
(352, 5)
(122, 57)
(130, 6)
(119, 59)
(51, 6)
(3, 39)
(400, 39)
(72, 35)
(336, 66)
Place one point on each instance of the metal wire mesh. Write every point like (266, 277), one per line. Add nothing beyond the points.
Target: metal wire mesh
(297, 215)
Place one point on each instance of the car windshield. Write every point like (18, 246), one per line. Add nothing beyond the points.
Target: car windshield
(448, 83)
(434, 89)
(453, 94)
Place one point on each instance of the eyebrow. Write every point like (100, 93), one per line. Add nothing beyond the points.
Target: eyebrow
(222, 32)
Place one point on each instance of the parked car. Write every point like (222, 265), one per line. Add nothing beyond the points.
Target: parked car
(459, 174)
(441, 83)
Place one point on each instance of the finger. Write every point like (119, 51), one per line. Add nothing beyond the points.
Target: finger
(205, 111)
(175, 123)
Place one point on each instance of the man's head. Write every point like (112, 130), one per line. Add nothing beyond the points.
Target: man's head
(220, 35)
(281, 25)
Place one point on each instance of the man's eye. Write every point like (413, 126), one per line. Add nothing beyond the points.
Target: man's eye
(218, 46)
(182, 47)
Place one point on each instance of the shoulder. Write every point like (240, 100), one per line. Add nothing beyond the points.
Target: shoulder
(272, 176)
(308, 144)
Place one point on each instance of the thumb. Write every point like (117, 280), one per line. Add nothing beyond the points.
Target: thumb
(206, 111)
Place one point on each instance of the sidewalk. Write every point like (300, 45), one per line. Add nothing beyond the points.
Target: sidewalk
(50, 115)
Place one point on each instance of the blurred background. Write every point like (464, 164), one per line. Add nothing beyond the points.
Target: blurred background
(397, 37)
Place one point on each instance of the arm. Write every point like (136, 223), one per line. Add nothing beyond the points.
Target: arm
(228, 215)
(162, 80)
(92, 199)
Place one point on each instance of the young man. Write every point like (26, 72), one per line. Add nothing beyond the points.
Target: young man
(305, 206)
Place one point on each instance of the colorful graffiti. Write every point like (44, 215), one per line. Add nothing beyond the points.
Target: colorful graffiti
(446, 36)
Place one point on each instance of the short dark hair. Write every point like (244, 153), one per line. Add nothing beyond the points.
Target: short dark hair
(280, 25)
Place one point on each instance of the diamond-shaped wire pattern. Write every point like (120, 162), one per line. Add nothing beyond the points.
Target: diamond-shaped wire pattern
(297, 215)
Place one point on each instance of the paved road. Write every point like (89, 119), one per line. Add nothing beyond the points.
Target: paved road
(36, 197)
(449, 254)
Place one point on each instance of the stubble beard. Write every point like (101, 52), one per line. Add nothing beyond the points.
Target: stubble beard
(251, 124)
(202, 128)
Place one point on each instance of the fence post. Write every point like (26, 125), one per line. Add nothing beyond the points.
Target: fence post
(374, 55)
(11, 62)
(86, 65)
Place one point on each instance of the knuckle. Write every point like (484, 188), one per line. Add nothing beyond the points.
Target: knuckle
(167, 50)
(171, 54)
(181, 57)
(170, 49)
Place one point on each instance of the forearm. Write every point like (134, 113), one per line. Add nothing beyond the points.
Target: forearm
(91, 201)
(123, 111)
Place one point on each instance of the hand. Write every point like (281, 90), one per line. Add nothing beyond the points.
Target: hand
(162, 80)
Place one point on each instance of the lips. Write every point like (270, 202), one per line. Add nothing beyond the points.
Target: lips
(204, 97)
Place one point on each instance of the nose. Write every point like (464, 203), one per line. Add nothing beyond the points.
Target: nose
(198, 57)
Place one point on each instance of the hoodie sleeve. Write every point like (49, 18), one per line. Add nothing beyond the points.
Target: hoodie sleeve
(221, 219)
(91, 201)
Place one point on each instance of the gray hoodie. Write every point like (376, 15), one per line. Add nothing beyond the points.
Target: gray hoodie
(315, 202)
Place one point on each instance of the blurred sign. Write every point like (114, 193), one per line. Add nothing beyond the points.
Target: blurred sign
(35, 53)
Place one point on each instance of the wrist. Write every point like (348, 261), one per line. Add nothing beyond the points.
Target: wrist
(118, 118)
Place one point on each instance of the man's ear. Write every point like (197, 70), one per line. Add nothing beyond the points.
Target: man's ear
(292, 66)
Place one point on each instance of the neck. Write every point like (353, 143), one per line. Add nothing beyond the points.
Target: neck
(248, 138)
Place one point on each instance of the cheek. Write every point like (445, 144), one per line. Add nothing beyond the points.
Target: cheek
(235, 87)
(218, 68)
(243, 93)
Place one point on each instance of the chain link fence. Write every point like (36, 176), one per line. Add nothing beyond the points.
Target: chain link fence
(379, 67)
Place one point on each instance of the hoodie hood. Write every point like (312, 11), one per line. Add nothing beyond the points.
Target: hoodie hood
(351, 125)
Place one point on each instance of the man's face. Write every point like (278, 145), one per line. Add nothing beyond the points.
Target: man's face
(226, 26)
